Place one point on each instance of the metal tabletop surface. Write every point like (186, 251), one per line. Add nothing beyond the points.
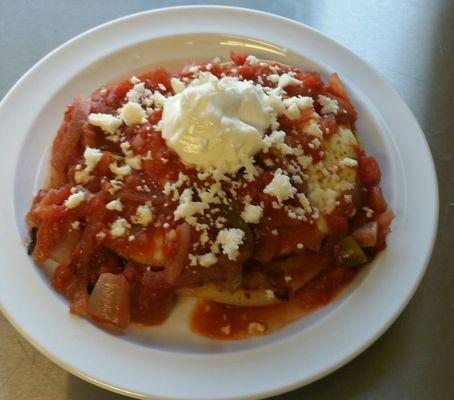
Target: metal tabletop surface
(411, 43)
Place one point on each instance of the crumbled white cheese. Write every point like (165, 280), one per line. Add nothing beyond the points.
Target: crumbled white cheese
(324, 198)
(120, 172)
(92, 158)
(192, 260)
(280, 186)
(277, 140)
(193, 69)
(297, 179)
(204, 237)
(348, 162)
(304, 202)
(177, 85)
(114, 186)
(115, 205)
(172, 188)
(159, 99)
(75, 199)
(140, 94)
(315, 143)
(269, 294)
(287, 80)
(252, 214)
(275, 101)
(369, 212)
(329, 105)
(252, 60)
(343, 185)
(126, 149)
(207, 260)
(100, 235)
(230, 241)
(304, 161)
(132, 113)
(119, 227)
(214, 194)
(108, 123)
(295, 104)
(225, 330)
(144, 215)
(75, 225)
(82, 176)
(134, 162)
(274, 78)
(255, 328)
(187, 207)
(313, 129)
(134, 80)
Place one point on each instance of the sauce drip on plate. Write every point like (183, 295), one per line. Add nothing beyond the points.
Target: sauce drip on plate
(221, 321)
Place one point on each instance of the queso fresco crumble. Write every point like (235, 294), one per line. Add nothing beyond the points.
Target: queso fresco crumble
(220, 180)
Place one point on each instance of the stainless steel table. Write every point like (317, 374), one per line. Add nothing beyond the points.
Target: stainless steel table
(411, 42)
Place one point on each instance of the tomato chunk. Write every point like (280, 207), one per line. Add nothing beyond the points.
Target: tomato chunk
(149, 225)
(369, 171)
(238, 58)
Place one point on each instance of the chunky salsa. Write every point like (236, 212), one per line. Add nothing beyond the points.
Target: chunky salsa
(129, 226)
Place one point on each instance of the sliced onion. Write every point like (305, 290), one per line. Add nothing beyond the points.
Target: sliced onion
(67, 139)
(63, 250)
(376, 199)
(384, 219)
(366, 235)
(109, 302)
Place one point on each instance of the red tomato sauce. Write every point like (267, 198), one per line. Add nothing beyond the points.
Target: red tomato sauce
(153, 260)
(226, 322)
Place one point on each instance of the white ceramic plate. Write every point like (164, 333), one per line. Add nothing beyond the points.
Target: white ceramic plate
(169, 361)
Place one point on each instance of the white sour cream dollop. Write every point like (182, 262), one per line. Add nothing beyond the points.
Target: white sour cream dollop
(216, 123)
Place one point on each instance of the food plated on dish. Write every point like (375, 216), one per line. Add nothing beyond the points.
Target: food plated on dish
(243, 184)
(373, 301)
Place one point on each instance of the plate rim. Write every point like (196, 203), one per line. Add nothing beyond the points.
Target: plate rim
(259, 14)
